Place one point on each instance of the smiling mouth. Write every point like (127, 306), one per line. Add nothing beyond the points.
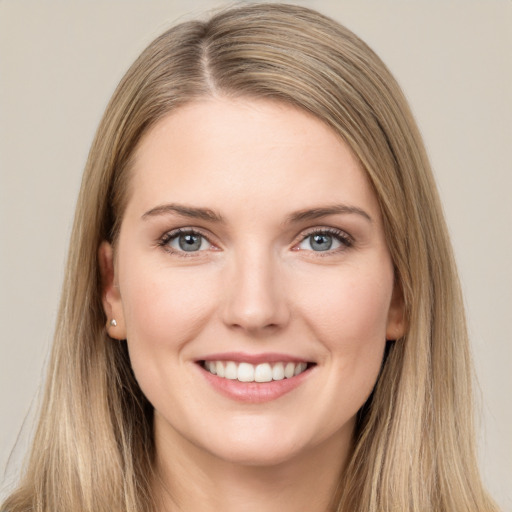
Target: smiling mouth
(263, 372)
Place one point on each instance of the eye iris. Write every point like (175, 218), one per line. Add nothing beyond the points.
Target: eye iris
(321, 242)
(189, 242)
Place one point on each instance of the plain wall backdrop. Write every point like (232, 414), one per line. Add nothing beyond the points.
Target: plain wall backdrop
(59, 64)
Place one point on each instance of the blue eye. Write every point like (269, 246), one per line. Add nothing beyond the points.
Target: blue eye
(186, 241)
(321, 241)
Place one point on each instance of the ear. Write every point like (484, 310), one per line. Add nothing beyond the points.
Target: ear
(395, 327)
(110, 295)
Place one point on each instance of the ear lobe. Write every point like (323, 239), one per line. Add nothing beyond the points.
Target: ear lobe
(395, 327)
(110, 295)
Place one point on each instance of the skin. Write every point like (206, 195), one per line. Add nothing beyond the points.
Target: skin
(255, 286)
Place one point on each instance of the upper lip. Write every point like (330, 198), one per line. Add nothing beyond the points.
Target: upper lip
(241, 357)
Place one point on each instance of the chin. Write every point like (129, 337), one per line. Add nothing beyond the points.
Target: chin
(267, 444)
(258, 455)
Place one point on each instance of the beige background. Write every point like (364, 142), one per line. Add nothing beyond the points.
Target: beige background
(59, 64)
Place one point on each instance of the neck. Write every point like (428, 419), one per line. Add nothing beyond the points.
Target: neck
(192, 480)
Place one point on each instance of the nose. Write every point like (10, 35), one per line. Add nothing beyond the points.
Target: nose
(255, 296)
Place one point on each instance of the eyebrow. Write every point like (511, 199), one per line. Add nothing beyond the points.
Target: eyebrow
(191, 212)
(207, 214)
(316, 213)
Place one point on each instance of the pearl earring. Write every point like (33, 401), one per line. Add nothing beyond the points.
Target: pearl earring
(113, 322)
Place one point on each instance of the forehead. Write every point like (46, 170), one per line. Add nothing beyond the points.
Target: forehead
(256, 152)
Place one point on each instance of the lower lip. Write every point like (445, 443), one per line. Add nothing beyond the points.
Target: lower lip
(254, 392)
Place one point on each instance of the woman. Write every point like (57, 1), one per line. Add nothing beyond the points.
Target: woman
(261, 308)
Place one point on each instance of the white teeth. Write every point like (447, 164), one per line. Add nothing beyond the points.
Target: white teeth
(263, 373)
(289, 370)
(278, 371)
(230, 371)
(299, 368)
(219, 367)
(246, 372)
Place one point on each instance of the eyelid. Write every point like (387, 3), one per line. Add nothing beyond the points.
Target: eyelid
(342, 236)
(164, 240)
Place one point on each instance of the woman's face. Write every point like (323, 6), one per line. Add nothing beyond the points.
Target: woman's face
(252, 281)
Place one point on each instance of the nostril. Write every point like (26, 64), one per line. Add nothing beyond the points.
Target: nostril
(254, 325)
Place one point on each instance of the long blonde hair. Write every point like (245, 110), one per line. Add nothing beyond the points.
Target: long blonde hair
(414, 445)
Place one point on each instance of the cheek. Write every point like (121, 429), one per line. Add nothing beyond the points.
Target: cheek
(165, 308)
(349, 318)
(350, 306)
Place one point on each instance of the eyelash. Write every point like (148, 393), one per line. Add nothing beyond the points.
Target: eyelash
(344, 238)
(170, 235)
(341, 236)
